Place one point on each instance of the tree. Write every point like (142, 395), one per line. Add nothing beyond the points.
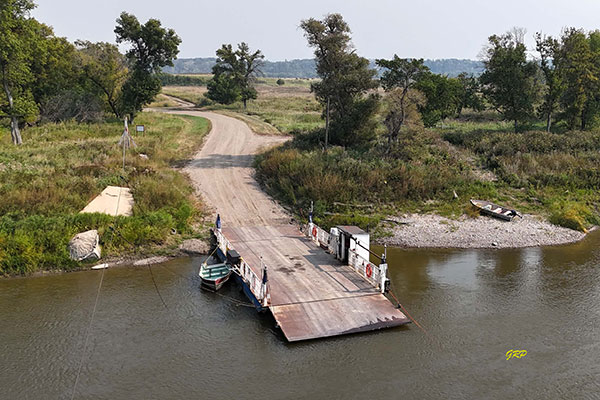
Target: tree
(16, 36)
(223, 89)
(105, 67)
(470, 94)
(579, 72)
(53, 65)
(224, 86)
(508, 80)
(549, 49)
(443, 97)
(401, 110)
(234, 74)
(345, 80)
(153, 47)
(400, 74)
(250, 64)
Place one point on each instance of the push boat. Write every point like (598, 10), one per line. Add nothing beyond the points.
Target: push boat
(495, 210)
(214, 276)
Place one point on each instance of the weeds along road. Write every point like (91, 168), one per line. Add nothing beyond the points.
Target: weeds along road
(222, 172)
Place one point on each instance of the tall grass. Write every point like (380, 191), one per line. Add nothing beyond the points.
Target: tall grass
(420, 172)
(61, 167)
(556, 173)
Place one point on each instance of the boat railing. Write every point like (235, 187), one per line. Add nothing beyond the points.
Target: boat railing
(255, 283)
(374, 274)
(318, 235)
(250, 278)
(371, 272)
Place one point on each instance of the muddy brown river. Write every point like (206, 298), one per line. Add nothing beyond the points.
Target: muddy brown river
(474, 304)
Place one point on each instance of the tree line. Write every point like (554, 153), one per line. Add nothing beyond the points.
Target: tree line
(305, 68)
(562, 85)
(45, 77)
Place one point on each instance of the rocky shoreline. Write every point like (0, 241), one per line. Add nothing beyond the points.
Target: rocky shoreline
(430, 230)
(188, 248)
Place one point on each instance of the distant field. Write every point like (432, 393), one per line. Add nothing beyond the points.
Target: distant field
(188, 93)
(162, 101)
(302, 82)
(289, 108)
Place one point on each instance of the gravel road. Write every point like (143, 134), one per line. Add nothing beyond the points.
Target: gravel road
(222, 172)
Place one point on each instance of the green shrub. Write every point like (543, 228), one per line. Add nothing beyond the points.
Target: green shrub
(571, 215)
(297, 174)
(152, 193)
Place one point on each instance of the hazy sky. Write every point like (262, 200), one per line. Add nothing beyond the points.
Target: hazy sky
(418, 28)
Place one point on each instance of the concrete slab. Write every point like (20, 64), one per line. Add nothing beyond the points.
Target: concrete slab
(113, 200)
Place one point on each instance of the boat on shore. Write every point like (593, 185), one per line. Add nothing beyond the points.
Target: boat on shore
(494, 210)
(214, 276)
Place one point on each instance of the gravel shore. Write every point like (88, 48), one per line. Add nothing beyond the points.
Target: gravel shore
(430, 230)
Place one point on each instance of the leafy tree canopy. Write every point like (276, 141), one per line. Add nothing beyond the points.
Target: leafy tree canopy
(399, 77)
(508, 80)
(153, 47)
(578, 67)
(345, 80)
(105, 68)
(443, 97)
(234, 74)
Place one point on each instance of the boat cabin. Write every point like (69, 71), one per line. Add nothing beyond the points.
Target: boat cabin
(348, 237)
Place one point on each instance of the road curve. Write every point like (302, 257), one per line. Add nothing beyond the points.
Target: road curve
(222, 172)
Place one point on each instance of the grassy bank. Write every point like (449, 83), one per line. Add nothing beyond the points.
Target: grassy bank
(61, 167)
(555, 175)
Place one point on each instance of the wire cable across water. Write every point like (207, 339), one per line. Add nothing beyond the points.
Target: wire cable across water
(87, 336)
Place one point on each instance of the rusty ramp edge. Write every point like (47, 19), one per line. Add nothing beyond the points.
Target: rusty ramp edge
(294, 330)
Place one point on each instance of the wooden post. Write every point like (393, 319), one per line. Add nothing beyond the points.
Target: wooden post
(327, 125)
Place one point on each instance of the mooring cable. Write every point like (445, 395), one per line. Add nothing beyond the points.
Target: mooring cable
(87, 336)
(391, 292)
(156, 287)
(235, 301)
(407, 314)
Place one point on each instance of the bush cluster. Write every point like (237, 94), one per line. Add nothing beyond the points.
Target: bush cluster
(417, 171)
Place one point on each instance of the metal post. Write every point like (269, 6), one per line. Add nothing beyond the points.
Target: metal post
(385, 253)
(124, 144)
(382, 277)
(310, 220)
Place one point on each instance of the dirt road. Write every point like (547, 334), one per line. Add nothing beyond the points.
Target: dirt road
(312, 294)
(222, 172)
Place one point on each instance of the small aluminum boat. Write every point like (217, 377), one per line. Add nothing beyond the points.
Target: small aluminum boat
(495, 210)
(214, 276)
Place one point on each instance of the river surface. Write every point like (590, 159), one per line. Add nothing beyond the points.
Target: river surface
(474, 304)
